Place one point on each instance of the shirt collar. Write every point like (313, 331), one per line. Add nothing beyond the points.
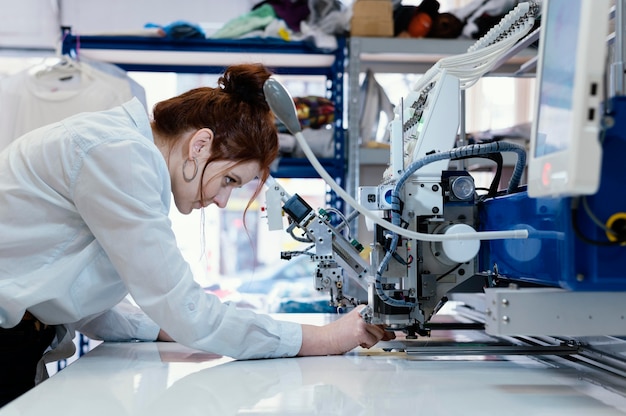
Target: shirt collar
(139, 115)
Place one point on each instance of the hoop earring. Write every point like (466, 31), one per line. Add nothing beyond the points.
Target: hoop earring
(195, 170)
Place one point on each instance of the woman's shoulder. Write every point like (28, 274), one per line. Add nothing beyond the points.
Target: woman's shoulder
(127, 124)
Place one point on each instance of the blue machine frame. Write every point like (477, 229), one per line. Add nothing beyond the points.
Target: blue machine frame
(565, 247)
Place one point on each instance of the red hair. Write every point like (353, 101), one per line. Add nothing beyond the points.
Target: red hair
(236, 111)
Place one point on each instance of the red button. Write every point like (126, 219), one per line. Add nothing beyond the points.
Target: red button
(546, 174)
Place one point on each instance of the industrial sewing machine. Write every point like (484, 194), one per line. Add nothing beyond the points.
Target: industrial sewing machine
(548, 264)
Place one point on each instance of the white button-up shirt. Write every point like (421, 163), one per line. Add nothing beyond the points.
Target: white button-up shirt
(84, 221)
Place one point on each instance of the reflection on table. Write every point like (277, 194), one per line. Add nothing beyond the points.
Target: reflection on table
(169, 379)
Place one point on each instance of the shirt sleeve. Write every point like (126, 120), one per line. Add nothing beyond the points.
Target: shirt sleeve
(123, 322)
(122, 192)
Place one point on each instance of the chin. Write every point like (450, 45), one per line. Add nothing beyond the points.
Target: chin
(184, 210)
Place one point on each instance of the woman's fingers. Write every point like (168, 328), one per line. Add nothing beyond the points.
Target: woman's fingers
(369, 340)
(375, 333)
(388, 336)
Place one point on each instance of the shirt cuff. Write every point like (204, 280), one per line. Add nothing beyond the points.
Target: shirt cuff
(290, 339)
(148, 330)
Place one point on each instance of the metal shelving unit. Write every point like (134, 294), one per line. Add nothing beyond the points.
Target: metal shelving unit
(211, 56)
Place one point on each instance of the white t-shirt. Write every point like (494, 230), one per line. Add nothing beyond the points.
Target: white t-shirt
(44, 94)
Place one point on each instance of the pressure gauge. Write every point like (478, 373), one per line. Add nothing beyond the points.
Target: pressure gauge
(462, 187)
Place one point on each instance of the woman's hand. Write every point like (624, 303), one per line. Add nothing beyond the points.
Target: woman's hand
(164, 336)
(342, 335)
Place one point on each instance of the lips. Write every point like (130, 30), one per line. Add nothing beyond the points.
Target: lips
(200, 204)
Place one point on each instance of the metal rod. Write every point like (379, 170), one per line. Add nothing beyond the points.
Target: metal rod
(462, 348)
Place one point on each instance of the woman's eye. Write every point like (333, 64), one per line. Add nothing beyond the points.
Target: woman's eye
(228, 180)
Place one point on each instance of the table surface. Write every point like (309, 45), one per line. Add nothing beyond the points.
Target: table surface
(155, 378)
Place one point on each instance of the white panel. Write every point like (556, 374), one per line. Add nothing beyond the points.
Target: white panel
(554, 312)
(30, 24)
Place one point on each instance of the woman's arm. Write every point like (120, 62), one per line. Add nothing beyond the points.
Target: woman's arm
(338, 337)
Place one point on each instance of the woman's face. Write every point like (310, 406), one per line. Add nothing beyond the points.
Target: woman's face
(220, 178)
(196, 184)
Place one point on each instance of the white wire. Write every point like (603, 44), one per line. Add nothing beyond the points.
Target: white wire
(479, 235)
(510, 18)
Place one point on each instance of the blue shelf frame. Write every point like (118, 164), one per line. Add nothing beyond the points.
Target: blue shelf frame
(334, 73)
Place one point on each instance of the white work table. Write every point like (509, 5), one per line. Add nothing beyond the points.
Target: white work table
(169, 379)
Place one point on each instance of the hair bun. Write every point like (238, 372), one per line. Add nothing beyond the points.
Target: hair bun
(246, 82)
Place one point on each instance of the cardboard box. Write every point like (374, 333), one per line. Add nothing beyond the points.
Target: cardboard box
(372, 18)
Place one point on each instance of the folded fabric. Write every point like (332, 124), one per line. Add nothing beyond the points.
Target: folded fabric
(276, 29)
(179, 30)
(321, 142)
(291, 11)
(256, 19)
(479, 16)
(314, 112)
(331, 17)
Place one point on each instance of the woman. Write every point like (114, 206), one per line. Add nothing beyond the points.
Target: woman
(84, 209)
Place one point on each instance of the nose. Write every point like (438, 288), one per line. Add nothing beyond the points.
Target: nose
(221, 199)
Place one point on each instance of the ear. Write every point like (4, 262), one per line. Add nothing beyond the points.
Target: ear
(200, 144)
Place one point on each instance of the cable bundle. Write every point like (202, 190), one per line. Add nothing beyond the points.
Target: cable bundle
(481, 57)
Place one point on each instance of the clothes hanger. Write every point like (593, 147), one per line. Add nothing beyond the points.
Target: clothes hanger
(60, 68)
